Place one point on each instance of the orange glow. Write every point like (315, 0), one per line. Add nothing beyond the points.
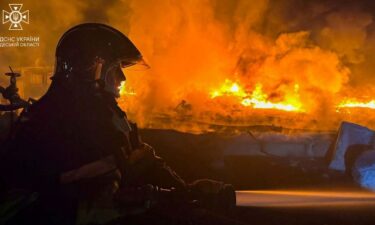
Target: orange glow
(257, 99)
(206, 70)
(357, 104)
(227, 62)
(124, 91)
(299, 198)
(229, 88)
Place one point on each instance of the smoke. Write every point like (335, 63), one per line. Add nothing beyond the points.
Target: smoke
(194, 46)
(308, 52)
(48, 21)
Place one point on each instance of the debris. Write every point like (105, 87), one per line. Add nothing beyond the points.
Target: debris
(363, 170)
(349, 134)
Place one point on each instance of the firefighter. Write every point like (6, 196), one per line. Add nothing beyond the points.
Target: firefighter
(75, 148)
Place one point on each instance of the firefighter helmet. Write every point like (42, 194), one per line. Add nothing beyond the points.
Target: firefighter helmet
(81, 46)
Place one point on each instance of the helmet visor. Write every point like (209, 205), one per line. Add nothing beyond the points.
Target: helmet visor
(134, 65)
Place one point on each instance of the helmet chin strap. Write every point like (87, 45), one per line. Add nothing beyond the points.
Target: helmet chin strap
(98, 67)
(105, 76)
(102, 75)
(111, 77)
(98, 71)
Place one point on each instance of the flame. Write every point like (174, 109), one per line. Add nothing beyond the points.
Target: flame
(257, 99)
(210, 67)
(349, 103)
(229, 88)
(124, 91)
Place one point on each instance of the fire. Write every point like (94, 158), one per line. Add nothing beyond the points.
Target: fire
(229, 88)
(357, 104)
(213, 68)
(257, 99)
(125, 90)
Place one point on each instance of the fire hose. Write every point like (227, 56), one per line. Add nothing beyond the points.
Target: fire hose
(223, 199)
(226, 198)
(179, 206)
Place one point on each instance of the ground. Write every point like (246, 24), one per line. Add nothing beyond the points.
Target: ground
(197, 156)
(201, 156)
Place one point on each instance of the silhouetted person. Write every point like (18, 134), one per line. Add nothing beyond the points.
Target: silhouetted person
(74, 150)
(75, 145)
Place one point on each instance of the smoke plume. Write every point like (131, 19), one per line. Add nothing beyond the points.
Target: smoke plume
(308, 53)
